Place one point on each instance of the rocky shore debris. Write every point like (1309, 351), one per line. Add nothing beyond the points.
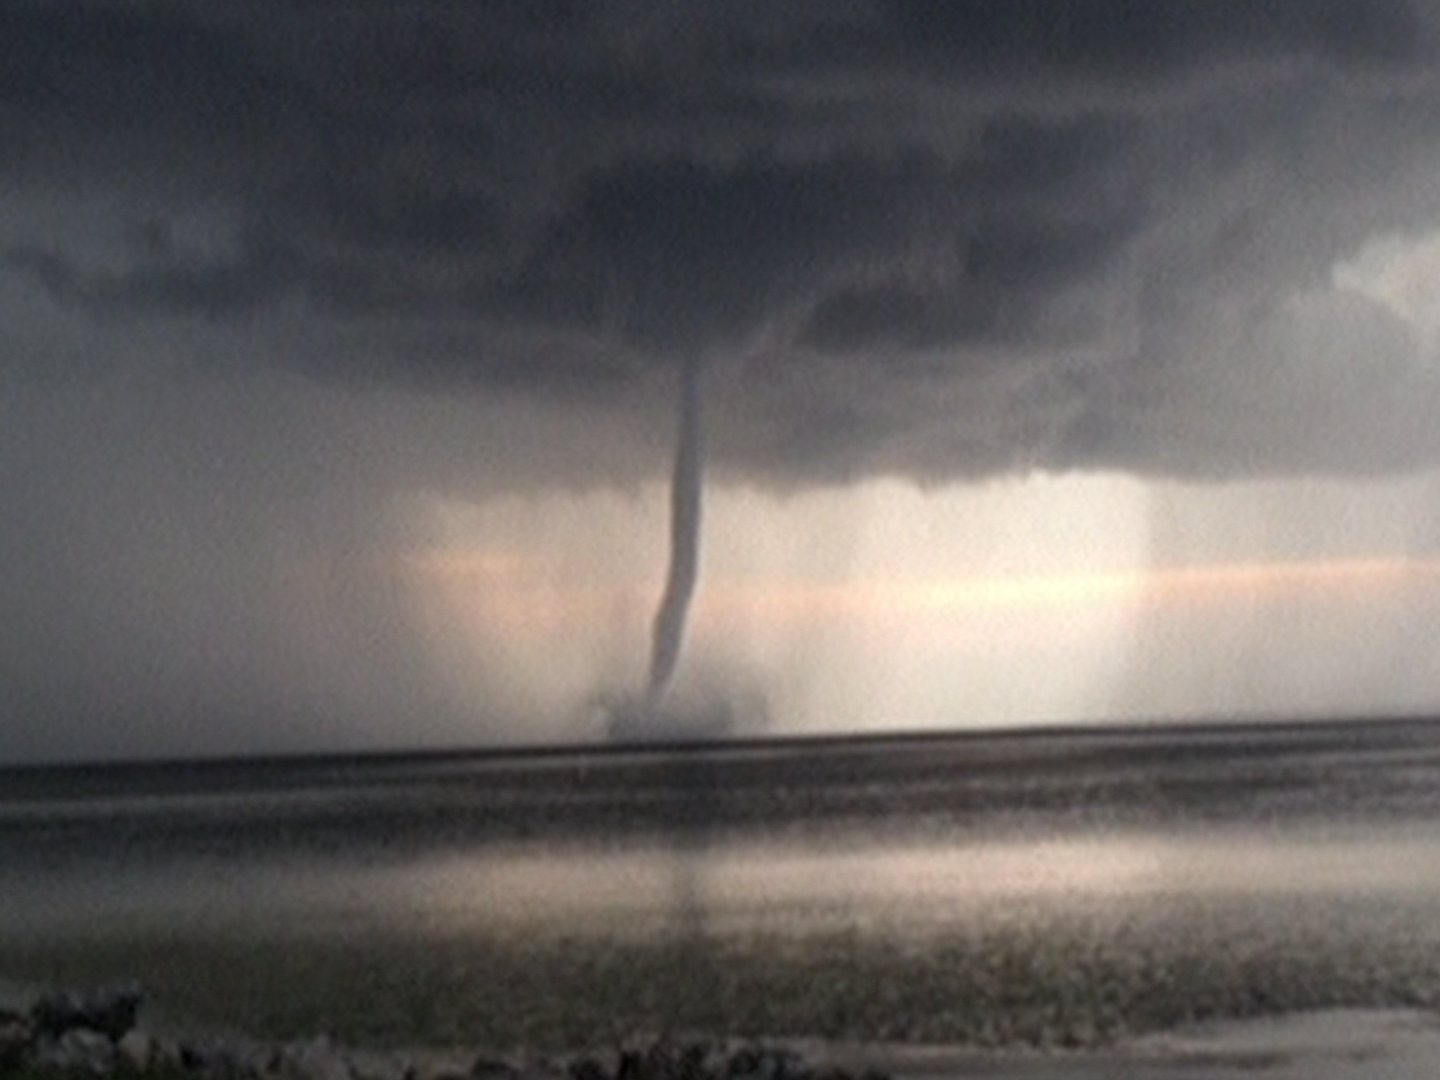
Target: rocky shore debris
(79, 1036)
(697, 1059)
(68, 1032)
(110, 1012)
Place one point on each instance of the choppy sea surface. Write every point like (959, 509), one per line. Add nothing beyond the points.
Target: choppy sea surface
(1059, 887)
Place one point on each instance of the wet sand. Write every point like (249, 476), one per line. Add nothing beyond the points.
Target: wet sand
(1331, 1045)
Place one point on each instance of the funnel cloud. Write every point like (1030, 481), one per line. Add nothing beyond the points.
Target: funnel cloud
(686, 489)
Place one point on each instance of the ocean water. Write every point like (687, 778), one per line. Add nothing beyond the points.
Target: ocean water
(1050, 887)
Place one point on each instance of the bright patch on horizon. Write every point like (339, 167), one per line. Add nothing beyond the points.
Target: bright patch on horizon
(1037, 600)
(843, 605)
(517, 587)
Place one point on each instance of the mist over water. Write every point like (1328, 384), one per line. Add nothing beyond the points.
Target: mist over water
(1297, 598)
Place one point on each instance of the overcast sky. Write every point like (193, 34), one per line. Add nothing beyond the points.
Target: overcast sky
(1061, 360)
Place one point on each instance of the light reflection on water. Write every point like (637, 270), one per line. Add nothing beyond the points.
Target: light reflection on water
(909, 884)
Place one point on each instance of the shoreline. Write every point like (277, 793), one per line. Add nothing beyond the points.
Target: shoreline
(100, 1034)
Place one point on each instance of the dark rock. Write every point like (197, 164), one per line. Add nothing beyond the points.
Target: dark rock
(698, 1059)
(587, 1068)
(191, 1057)
(79, 1050)
(16, 1038)
(662, 1060)
(215, 1059)
(765, 1063)
(488, 1068)
(745, 1062)
(110, 1011)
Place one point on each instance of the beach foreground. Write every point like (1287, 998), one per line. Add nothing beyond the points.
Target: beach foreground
(1051, 898)
(101, 1034)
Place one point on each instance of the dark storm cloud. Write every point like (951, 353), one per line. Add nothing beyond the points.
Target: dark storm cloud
(98, 65)
(1130, 38)
(853, 210)
(704, 254)
(216, 290)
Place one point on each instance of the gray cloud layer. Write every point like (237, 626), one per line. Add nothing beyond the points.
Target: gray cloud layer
(967, 236)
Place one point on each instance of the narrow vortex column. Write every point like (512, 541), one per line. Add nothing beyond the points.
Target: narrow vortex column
(685, 507)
